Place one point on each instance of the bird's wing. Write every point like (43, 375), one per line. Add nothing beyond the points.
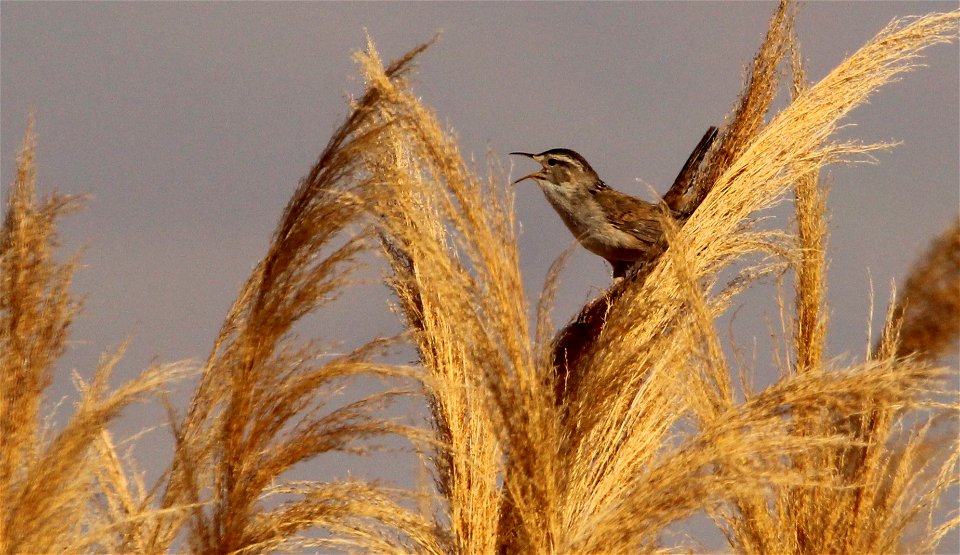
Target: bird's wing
(632, 215)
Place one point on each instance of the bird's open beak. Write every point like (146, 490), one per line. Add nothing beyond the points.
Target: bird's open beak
(534, 175)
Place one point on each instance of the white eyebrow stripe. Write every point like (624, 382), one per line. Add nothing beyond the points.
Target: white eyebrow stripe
(564, 158)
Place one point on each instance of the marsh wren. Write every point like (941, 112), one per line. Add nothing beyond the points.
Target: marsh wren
(622, 229)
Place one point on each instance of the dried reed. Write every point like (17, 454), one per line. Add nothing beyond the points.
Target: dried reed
(47, 480)
(607, 470)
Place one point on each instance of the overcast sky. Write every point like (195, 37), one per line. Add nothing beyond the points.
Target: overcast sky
(190, 125)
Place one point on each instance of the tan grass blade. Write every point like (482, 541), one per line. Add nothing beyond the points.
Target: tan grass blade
(260, 407)
(748, 117)
(470, 327)
(791, 147)
(47, 487)
(657, 332)
(36, 306)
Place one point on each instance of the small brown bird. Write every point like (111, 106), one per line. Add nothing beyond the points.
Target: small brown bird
(622, 229)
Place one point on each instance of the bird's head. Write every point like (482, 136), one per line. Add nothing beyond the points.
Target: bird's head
(560, 167)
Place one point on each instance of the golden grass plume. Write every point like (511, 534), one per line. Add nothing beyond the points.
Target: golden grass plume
(583, 475)
(47, 493)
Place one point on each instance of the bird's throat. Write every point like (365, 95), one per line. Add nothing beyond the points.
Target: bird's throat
(578, 209)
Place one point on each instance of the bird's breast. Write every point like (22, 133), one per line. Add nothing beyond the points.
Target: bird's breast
(587, 221)
(580, 213)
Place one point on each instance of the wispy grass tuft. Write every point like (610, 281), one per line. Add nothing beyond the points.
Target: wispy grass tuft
(262, 403)
(47, 480)
(608, 468)
(449, 236)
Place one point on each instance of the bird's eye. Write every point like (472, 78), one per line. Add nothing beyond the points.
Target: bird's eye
(552, 162)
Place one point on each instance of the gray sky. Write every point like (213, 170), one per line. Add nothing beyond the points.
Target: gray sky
(190, 125)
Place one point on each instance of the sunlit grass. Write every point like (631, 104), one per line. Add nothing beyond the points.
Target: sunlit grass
(592, 438)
